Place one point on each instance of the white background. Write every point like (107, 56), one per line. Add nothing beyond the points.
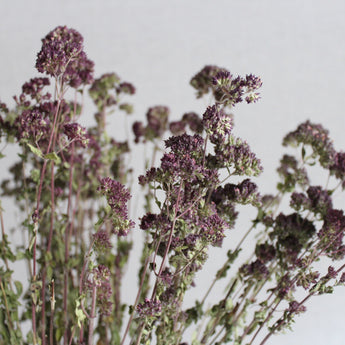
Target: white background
(296, 46)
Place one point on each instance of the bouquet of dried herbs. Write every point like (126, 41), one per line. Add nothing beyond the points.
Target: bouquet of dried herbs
(72, 186)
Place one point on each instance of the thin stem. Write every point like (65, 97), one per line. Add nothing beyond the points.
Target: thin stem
(176, 206)
(136, 300)
(311, 294)
(67, 243)
(10, 322)
(92, 314)
(52, 303)
(50, 237)
(220, 313)
(165, 256)
(225, 266)
(39, 192)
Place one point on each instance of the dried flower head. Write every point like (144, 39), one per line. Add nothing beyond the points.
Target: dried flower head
(149, 308)
(157, 121)
(62, 55)
(245, 192)
(217, 124)
(126, 87)
(338, 167)
(332, 233)
(194, 122)
(100, 279)
(76, 133)
(292, 232)
(265, 252)
(315, 136)
(226, 89)
(256, 269)
(203, 81)
(236, 154)
(34, 87)
(102, 240)
(117, 197)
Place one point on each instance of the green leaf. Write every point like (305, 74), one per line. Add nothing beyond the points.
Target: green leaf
(32, 242)
(49, 272)
(79, 312)
(20, 255)
(19, 287)
(35, 175)
(52, 156)
(303, 152)
(229, 304)
(158, 203)
(35, 151)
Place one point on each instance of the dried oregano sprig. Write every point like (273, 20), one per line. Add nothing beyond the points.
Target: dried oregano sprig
(58, 185)
(70, 186)
(285, 254)
(188, 220)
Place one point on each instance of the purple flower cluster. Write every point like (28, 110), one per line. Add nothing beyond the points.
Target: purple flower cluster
(212, 229)
(192, 120)
(331, 234)
(102, 240)
(3, 108)
(185, 143)
(226, 89)
(230, 91)
(35, 122)
(225, 205)
(101, 274)
(338, 167)
(185, 160)
(62, 56)
(245, 192)
(149, 308)
(256, 269)
(332, 272)
(157, 124)
(76, 133)
(317, 200)
(126, 87)
(236, 154)
(155, 221)
(296, 308)
(203, 81)
(79, 71)
(226, 197)
(101, 280)
(292, 233)
(184, 163)
(217, 124)
(34, 88)
(265, 252)
(315, 136)
(285, 286)
(32, 124)
(117, 197)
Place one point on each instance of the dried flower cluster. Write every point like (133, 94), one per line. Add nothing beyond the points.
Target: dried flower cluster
(72, 187)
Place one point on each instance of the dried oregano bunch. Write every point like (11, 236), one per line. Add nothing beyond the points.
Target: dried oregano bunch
(71, 186)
